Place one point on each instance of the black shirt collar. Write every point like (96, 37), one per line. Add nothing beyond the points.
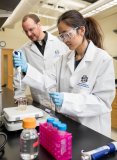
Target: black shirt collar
(41, 44)
(43, 41)
(46, 36)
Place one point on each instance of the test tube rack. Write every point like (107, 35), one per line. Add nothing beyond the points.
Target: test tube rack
(58, 145)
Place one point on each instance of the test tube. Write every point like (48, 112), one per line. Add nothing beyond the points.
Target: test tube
(52, 89)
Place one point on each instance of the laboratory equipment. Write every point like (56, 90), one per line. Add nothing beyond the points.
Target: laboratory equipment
(19, 73)
(50, 89)
(99, 152)
(57, 144)
(29, 140)
(22, 103)
(12, 116)
(3, 141)
(50, 120)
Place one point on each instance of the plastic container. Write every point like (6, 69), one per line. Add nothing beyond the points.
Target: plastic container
(50, 120)
(57, 141)
(56, 123)
(29, 140)
(62, 127)
(99, 152)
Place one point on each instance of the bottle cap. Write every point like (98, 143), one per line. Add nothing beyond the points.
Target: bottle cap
(113, 147)
(115, 144)
(29, 123)
(56, 123)
(50, 120)
(62, 126)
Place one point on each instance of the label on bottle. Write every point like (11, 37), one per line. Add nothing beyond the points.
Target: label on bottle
(35, 144)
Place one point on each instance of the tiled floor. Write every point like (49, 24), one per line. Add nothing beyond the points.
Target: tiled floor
(114, 134)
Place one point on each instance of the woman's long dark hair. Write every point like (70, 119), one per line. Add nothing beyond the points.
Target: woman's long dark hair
(75, 19)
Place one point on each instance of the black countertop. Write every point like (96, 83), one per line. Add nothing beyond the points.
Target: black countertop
(83, 137)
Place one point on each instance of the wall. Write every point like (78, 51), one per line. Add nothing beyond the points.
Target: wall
(109, 23)
(13, 37)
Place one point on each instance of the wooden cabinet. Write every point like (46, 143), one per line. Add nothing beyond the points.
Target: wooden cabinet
(7, 68)
(114, 112)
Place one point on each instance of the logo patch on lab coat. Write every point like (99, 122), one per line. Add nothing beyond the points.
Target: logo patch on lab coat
(83, 83)
(84, 78)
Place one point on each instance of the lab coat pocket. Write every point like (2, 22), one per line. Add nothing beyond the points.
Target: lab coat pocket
(80, 88)
(83, 87)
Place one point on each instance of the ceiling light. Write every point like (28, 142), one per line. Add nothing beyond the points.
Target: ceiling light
(53, 7)
(72, 4)
(101, 8)
(4, 13)
(45, 16)
(95, 8)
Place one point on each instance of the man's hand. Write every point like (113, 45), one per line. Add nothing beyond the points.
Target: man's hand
(20, 61)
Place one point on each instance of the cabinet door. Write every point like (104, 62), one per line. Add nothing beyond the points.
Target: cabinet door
(114, 112)
(7, 68)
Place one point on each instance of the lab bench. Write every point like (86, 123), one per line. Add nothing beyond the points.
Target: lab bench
(83, 137)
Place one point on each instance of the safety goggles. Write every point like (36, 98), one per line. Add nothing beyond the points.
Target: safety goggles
(68, 35)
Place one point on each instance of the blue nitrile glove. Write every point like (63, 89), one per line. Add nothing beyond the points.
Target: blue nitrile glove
(57, 98)
(20, 61)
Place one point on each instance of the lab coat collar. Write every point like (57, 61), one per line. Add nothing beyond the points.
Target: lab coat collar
(50, 37)
(89, 56)
(49, 42)
(90, 53)
(70, 60)
(34, 48)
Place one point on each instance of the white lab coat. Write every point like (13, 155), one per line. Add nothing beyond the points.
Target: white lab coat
(53, 50)
(88, 90)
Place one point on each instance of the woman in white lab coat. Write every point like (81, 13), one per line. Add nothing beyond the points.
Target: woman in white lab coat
(84, 77)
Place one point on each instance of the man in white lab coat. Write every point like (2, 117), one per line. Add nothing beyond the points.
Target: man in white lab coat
(41, 52)
(84, 77)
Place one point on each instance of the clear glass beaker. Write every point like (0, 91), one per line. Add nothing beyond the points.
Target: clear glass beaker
(22, 103)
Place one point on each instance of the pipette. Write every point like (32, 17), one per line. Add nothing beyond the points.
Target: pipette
(51, 88)
(99, 152)
(19, 69)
